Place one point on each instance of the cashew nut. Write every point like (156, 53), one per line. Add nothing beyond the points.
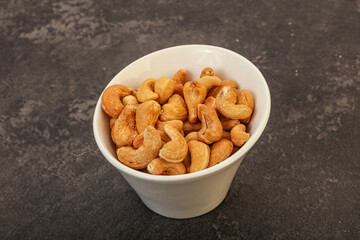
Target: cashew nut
(246, 98)
(133, 91)
(141, 157)
(210, 101)
(164, 87)
(130, 99)
(225, 104)
(211, 130)
(159, 166)
(147, 114)
(191, 136)
(207, 72)
(200, 155)
(174, 109)
(228, 124)
(176, 149)
(179, 89)
(124, 130)
(239, 136)
(180, 77)
(210, 81)
(111, 100)
(194, 94)
(175, 123)
(215, 90)
(146, 91)
(220, 151)
(139, 140)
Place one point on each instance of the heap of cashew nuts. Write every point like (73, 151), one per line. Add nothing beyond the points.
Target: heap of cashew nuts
(173, 126)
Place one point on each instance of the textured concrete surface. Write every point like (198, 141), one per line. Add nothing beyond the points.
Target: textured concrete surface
(300, 181)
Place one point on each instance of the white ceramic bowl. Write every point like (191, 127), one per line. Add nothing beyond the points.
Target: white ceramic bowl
(189, 195)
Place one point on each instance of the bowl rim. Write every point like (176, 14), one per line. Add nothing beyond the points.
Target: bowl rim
(189, 176)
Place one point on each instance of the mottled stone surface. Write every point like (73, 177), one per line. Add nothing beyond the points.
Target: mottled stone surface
(300, 181)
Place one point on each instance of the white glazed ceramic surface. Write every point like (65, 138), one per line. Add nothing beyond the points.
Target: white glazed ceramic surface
(189, 195)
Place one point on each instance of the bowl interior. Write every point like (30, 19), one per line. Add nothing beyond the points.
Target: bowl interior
(192, 58)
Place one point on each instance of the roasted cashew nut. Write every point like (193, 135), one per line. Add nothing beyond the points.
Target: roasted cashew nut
(194, 94)
(141, 157)
(130, 99)
(239, 136)
(175, 123)
(124, 131)
(220, 151)
(215, 90)
(176, 149)
(211, 130)
(200, 155)
(210, 101)
(164, 87)
(146, 91)
(180, 77)
(246, 98)
(191, 136)
(210, 82)
(159, 166)
(111, 99)
(207, 72)
(174, 109)
(147, 114)
(225, 104)
(227, 123)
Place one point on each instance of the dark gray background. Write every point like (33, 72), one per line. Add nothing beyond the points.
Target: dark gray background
(301, 179)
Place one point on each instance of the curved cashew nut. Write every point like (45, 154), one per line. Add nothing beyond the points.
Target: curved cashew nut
(207, 72)
(220, 151)
(175, 123)
(159, 166)
(174, 109)
(225, 104)
(176, 149)
(194, 94)
(180, 77)
(146, 91)
(191, 136)
(111, 99)
(238, 135)
(211, 130)
(210, 82)
(210, 101)
(164, 87)
(147, 114)
(214, 91)
(141, 157)
(200, 155)
(124, 130)
(246, 98)
(130, 99)
(228, 124)
(133, 91)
